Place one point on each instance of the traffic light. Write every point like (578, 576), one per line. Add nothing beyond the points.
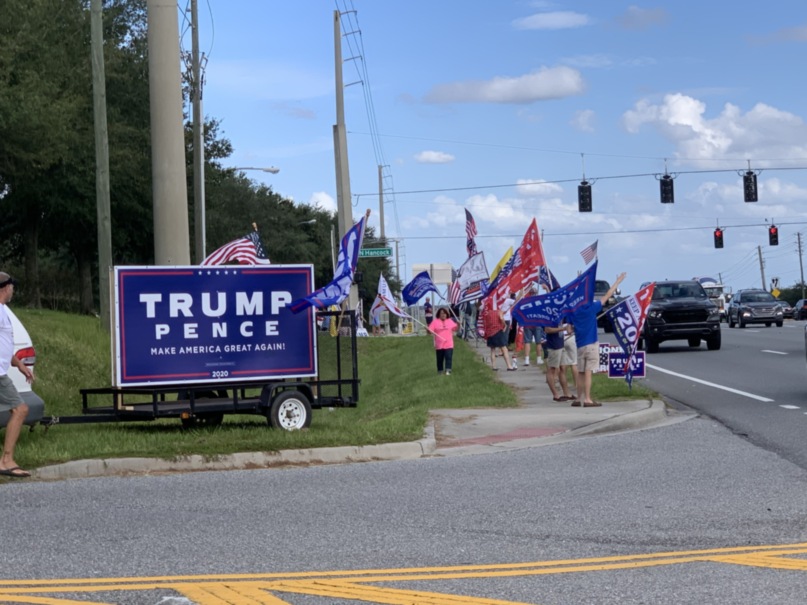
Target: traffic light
(718, 238)
(584, 197)
(773, 235)
(750, 186)
(667, 191)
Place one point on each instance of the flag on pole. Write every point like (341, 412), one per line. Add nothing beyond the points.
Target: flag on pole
(548, 309)
(547, 279)
(627, 318)
(522, 269)
(418, 287)
(589, 253)
(470, 233)
(386, 298)
(247, 250)
(501, 264)
(337, 291)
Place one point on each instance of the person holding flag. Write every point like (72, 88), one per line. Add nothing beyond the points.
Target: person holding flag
(584, 322)
(443, 328)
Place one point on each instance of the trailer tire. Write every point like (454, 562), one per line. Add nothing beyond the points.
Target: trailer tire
(290, 411)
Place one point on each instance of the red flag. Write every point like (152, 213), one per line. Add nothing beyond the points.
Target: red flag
(527, 262)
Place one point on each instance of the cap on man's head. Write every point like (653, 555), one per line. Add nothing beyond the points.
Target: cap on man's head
(6, 279)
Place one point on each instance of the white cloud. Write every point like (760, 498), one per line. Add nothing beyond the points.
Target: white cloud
(537, 188)
(545, 83)
(552, 20)
(765, 135)
(434, 157)
(322, 200)
(584, 120)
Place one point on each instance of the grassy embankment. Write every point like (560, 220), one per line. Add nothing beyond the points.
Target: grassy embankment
(399, 386)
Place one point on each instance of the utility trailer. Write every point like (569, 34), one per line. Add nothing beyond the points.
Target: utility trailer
(196, 343)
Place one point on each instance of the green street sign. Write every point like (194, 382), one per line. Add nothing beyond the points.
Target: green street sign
(374, 252)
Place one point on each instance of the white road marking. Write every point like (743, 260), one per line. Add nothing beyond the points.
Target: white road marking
(790, 407)
(774, 352)
(709, 384)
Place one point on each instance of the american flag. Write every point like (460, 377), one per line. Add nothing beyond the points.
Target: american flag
(454, 289)
(470, 232)
(589, 253)
(247, 250)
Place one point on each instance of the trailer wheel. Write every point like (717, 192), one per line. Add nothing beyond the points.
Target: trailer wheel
(290, 411)
(202, 420)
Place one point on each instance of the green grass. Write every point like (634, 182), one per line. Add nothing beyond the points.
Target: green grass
(399, 385)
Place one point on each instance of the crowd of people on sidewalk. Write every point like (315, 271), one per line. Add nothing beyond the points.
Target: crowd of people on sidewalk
(572, 345)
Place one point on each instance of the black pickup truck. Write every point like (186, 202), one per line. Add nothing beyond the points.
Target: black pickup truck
(681, 310)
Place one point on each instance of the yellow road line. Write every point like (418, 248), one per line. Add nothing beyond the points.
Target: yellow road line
(260, 589)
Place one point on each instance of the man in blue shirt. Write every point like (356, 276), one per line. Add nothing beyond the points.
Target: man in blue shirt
(584, 322)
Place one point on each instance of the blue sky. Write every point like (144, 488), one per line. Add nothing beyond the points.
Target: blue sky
(501, 106)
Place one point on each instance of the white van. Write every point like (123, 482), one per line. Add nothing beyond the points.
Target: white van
(24, 349)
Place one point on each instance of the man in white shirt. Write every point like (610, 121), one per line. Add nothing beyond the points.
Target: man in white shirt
(507, 312)
(10, 399)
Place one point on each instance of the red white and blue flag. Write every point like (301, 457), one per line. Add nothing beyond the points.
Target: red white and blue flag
(470, 233)
(627, 319)
(247, 250)
(589, 253)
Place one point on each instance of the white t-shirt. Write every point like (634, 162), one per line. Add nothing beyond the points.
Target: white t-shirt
(6, 341)
(507, 309)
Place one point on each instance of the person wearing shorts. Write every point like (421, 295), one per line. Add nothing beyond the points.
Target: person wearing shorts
(584, 322)
(10, 399)
(534, 334)
(568, 359)
(496, 337)
(554, 358)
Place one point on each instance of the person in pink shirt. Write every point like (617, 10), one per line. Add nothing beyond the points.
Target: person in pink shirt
(443, 328)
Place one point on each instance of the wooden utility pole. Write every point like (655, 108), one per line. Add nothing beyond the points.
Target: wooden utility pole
(101, 160)
(200, 227)
(344, 212)
(761, 266)
(170, 191)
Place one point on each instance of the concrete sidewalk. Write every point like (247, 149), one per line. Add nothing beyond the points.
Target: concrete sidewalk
(536, 422)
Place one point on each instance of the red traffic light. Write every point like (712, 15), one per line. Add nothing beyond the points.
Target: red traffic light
(718, 238)
(773, 235)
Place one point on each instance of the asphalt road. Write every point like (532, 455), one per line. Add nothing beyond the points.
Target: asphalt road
(756, 384)
(590, 521)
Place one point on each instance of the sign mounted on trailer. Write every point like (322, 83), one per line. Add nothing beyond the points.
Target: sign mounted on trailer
(181, 325)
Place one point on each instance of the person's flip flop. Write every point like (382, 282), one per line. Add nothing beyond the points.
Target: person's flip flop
(592, 404)
(576, 404)
(14, 471)
(558, 399)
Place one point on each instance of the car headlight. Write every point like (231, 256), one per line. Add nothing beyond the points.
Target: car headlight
(714, 313)
(654, 314)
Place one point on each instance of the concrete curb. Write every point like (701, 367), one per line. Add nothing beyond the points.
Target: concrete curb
(80, 469)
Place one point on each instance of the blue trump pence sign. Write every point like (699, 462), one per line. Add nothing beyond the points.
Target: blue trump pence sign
(180, 325)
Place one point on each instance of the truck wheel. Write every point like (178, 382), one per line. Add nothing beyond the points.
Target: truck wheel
(290, 411)
(779, 324)
(203, 420)
(713, 342)
(694, 342)
(740, 322)
(650, 345)
(731, 322)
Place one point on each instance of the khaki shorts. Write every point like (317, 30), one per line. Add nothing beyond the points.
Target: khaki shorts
(569, 357)
(553, 357)
(588, 358)
(9, 397)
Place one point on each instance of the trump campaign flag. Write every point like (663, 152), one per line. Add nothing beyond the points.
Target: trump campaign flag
(247, 250)
(547, 310)
(417, 288)
(337, 291)
(627, 319)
